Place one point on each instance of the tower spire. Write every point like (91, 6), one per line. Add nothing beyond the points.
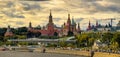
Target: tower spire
(79, 30)
(30, 25)
(96, 23)
(69, 21)
(8, 29)
(50, 17)
(68, 15)
(89, 26)
(73, 22)
(89, 23)
(50, 13)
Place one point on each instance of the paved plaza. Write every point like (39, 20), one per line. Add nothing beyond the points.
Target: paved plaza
(32, 54)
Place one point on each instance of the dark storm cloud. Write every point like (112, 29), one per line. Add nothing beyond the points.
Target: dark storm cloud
(97, 7)
(111, 8)
(114, 8)
(114, 1)
(24, 6)
(79, 19)
(28, 6)
(10, 14)
(9, 4)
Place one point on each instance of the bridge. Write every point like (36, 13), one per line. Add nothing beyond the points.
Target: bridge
(41, 40)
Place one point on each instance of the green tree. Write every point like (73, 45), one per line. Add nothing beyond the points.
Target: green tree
(107, 37)
(116, 38)
(21, 36)
(114, 45)
(62, 44)
(91, 41)
(82, 40)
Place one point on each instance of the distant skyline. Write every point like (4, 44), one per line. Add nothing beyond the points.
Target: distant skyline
(18, 13)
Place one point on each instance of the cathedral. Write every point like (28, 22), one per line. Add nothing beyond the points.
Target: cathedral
(70, 27)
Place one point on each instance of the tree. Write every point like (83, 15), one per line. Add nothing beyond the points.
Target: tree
(62, 44)
(2, 31)
(37, 34)
(116, 38)
(91, 41)
(1, 39)
(70, 33)
(21, 36)
(107, 37)
(23, 43)
(20, 31)
(82, 40)
(71, 45)
(55, 34)
(30, 34)
(114, 45)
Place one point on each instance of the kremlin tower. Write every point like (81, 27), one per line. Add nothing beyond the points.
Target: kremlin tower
(8, 32)
(73, 25)
(30, 26)
(79, 30)
(50, 25)
(68, 23)
(89, 26)
(96, 23)
(48, 30)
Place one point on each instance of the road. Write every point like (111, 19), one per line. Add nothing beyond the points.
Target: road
(32, 54)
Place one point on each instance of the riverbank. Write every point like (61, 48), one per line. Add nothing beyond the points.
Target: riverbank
(32, 54)
(82, 53)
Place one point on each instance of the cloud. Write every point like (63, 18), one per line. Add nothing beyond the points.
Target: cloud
(56, 19)
(1, 16)
(9, 4)
(19, 8)
(93, 6)
(20, 23)
(78, 19)
(26, 6)
(114, 1)
(35, 0)
(25, 0)
(12, 15)
(38, 11)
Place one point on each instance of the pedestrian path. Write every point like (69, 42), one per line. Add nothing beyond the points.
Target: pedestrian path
(32, 54)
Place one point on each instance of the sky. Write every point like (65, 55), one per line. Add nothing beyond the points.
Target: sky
(18, 13)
